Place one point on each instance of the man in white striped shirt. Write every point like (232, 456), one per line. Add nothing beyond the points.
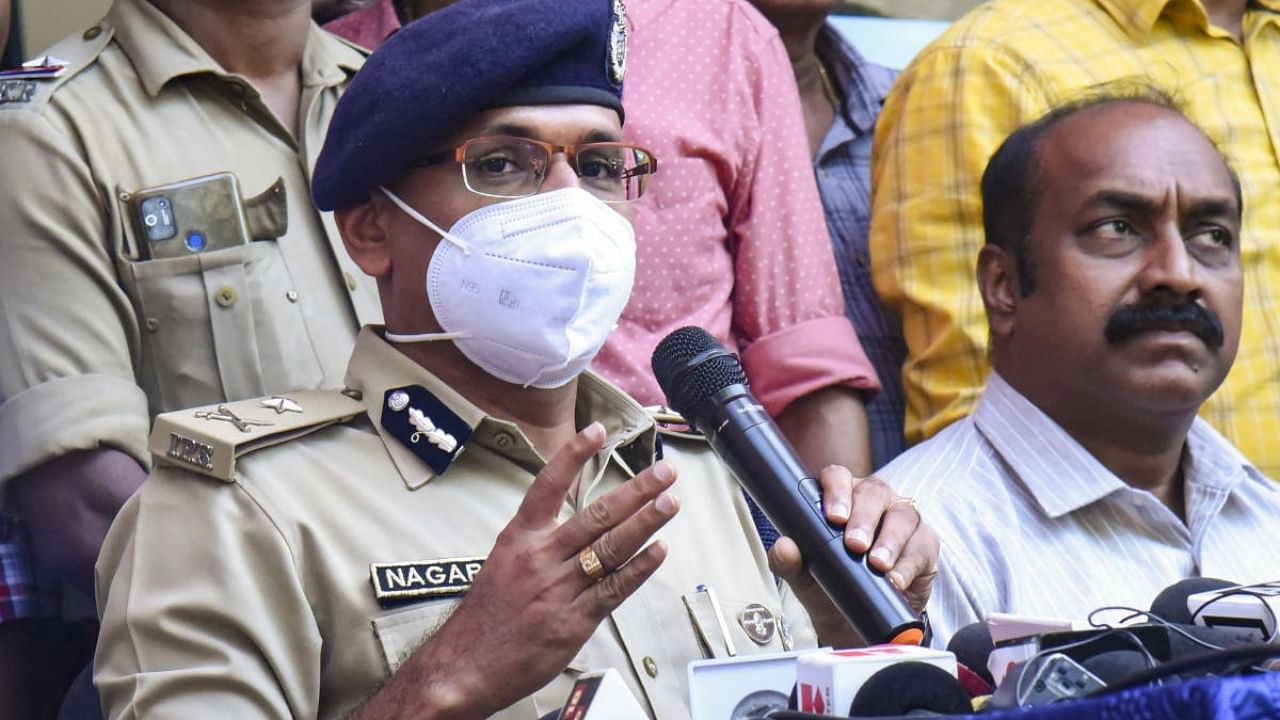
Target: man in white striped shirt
(1113, 288)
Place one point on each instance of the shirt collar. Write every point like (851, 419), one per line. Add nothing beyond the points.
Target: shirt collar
(1059, 473)
(1212, 461)
(161, 51)
(1138, 17)
(1062, 476)
(863, 84)
(376, 366)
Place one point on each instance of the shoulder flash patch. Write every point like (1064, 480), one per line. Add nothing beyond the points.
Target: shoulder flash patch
(209, 439)
(396, 583)
(16, 91)
(425, 425)
(62, 62)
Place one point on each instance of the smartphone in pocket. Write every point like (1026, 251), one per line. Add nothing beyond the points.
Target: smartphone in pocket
(190, 217)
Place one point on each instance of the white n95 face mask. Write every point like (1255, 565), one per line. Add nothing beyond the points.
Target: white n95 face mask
(529, 289)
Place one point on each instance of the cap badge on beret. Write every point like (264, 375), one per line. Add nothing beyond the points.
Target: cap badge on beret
(617, 63)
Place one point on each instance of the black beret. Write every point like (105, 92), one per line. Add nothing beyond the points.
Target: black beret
(437, 72)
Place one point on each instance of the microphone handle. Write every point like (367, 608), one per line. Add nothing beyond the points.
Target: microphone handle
(767, 467)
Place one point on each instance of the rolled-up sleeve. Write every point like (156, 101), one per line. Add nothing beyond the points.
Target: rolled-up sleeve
(68, 333)
(801, 359)
(788, 309)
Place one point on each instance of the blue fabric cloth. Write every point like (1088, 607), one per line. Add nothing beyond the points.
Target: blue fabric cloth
(843, 168)
(17, 581)
(764, 528)
(1233, 698)
(434, 74)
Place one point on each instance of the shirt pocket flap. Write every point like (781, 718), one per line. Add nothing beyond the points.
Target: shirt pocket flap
(401, 632)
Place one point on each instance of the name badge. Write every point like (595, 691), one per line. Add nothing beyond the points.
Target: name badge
(397, 583)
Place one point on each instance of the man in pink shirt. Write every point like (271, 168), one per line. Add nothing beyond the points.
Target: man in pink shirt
(731, 233)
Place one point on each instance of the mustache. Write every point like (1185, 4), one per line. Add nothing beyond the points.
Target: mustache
(1131, 320)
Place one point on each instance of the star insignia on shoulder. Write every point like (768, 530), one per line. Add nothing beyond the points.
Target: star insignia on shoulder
(281, 405)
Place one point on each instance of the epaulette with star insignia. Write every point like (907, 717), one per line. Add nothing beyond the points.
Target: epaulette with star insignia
(209, 439)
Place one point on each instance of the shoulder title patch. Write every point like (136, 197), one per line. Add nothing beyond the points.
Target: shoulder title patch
(16, 91)
(399, 583)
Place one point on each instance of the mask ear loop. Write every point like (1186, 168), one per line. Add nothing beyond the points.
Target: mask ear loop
(396, 337)
(424, 220)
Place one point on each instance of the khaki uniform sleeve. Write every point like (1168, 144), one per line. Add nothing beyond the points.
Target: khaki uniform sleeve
(203, 612)
(68, 336)
(943, 120)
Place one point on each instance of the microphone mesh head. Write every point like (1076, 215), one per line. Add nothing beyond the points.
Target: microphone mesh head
(1171, 603)
(691, 366)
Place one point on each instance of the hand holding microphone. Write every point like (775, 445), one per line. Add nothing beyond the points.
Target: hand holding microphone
(903, 551)
(853, 535)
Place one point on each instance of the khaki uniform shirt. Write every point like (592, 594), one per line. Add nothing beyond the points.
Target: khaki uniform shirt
(95, 340)
(251, 597)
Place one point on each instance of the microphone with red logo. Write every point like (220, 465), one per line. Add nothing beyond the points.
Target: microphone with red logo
(707, 385)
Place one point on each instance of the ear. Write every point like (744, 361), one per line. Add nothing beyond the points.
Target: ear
(364, 233)
(998, 283)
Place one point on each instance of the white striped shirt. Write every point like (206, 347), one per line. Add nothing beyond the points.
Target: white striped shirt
(1032, 523)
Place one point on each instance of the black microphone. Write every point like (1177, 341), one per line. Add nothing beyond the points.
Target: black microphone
(972, 646)
(1171, 604)
(910, 689)
(707, 385)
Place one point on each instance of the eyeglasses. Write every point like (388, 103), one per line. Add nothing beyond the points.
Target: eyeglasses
(512, 167)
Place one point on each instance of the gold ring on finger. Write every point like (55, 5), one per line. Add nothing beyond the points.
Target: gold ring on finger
(904, 501)
(590, 563)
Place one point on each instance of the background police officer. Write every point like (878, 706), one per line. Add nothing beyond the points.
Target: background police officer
(478, 174)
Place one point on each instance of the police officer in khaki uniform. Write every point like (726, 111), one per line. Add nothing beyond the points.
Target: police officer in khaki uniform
(475, 519)
(160, 246)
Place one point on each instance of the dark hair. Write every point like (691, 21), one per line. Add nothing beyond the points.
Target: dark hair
(1011, 187)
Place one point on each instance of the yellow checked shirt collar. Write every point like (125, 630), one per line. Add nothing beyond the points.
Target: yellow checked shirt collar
(162, 51)
(1138, 17)
(377, 366)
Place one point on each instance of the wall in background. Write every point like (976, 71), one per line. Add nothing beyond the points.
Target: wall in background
(888, 42)
(45, 22)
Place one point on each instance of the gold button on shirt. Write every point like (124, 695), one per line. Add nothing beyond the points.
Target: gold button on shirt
(1004, 65)
(96, 339)
(262, 597)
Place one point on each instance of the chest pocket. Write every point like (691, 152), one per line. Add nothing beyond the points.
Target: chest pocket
(401, 632)
(220, 325)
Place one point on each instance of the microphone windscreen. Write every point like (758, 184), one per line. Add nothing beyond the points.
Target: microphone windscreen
(972, 647)
(1171, 604)
(908, 687)
(1114, 666)
(690, 366)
